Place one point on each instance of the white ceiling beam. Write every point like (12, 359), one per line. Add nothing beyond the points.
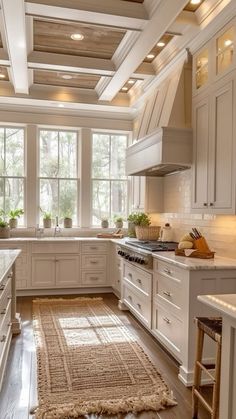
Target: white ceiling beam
(109, 13)
(13, 14)
(164, 15)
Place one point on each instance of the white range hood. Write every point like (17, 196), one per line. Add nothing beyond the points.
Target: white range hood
(163, 142)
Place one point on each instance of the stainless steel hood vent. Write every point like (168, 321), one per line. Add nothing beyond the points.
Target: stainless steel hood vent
(164, 136)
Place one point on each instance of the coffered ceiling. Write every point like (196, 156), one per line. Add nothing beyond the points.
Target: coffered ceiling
(92, 55)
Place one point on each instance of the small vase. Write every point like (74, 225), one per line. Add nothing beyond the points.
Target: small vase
(119, 224)
(104, 224)
(4, 232)
(13, 222)
(67, 222)
(47, 222)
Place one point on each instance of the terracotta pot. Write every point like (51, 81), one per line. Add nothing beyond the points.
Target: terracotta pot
(13, 222)
(67, 222)
(4, 232)
(47, 222)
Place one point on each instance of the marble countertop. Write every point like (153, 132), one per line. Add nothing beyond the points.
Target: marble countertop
(224, 303)
(7, 258)
(189, 263)
(53, 239)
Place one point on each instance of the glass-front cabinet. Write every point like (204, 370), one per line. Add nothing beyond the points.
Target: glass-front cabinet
(225, 50)
(202, 70)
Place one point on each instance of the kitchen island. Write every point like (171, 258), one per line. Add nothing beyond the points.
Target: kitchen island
(226, 306)
(9, 320)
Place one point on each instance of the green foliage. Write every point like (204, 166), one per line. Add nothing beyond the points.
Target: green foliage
(47, 215)
(118, 219)
(16, 213)
(3, 223)
(139, 219)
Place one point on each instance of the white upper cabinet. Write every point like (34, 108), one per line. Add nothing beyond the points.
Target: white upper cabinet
(147, 194)
(213, 164)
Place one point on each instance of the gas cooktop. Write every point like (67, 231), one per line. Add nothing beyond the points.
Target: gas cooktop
(153, 245)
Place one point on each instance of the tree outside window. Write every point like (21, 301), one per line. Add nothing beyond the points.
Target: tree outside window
(109, 181)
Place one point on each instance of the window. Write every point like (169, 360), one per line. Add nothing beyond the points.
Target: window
(58, 173)
(12, 172)
(109, 182)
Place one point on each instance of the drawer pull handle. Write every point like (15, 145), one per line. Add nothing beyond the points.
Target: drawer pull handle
(130, 275)
(3, 311)
(139, 306)
(94, 262)
(94, 277)
(130, 298)
(93, 247)
(139, 281)
(167, 293)
(167, 271)
(3, 338)
(10, 275)
(166, 320)
(2, 287)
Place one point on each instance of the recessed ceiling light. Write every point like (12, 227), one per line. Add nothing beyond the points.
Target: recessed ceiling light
(61, 105)
(77, 36)
(161, 44)
(2, 76)
(228, 42)
(131, 81)
(124, 89)
(195, 1)
(150, 56)
(66, 76)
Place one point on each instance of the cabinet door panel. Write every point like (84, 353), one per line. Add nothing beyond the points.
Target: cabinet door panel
(200, 157)
(221, 148)
(67, 271)
(43, 271)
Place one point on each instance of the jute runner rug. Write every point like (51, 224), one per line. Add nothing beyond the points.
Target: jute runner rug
(89, 362)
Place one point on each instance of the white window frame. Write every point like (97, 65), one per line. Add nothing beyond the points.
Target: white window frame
(77, 179)
(4, 177)
(127, 180)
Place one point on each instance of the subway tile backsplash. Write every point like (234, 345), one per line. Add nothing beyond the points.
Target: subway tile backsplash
(219, 230)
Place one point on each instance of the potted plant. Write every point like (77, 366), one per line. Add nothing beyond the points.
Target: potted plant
(4, 229)
(47, 219)
(68, 219)
(131, 225)
(118, 220)
(104, 222)
(13, 217)
(143, 230)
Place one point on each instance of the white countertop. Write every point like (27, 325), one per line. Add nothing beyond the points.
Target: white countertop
(224, 303)
(7, 258)
(189, 263)
(53, 239)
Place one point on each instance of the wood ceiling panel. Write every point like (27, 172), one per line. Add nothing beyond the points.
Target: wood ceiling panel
(166, 38)
(55, 37)
(4, 72)
(193, 7)
(55, 78)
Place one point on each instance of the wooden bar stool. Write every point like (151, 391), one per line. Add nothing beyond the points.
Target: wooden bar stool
(212, 326)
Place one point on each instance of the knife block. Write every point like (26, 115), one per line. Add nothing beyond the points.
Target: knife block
(201, 245)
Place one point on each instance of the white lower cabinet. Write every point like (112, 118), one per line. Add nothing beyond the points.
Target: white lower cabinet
(22, 263)
(94, 264)
(175, 306)
(115, 268)
(61, 271)
(136, 292)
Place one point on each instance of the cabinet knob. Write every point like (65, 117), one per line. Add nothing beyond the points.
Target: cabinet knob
(3, 338)
(167, 293)
(205, 204)
(211, 204)
(167, 271)
(139, 306)
(3, 311)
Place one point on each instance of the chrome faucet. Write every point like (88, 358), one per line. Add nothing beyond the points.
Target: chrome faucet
(57, 230)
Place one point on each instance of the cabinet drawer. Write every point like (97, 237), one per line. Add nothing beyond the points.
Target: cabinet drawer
(94, 278)
(169, 291)
(141, 280)
(5, 295)
(94, 262)
(5, 327)
(94, 248)
(167, 269)
(169, 328)
(55, 247)
(138, 303)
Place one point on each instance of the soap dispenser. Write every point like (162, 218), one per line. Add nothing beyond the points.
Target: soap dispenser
(166, 233)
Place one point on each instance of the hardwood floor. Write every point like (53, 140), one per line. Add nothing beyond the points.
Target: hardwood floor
(19, 393)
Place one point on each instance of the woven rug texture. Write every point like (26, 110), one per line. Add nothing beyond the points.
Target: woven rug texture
(89, 362)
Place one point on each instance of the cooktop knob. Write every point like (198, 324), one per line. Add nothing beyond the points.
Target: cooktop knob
(142, 261)
(131, 258)
(126, 256)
